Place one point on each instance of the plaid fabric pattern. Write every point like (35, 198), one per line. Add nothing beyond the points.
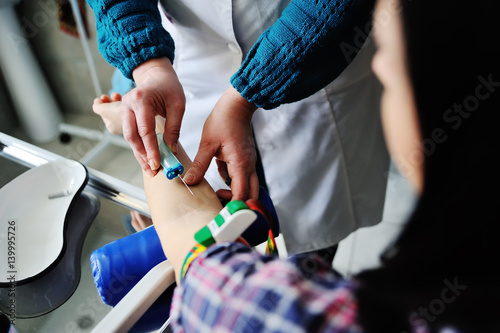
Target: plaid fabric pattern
(232, 288)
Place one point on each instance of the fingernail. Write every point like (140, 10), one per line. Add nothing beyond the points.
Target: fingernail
(153, 164)
(188, 178)
(174, 148)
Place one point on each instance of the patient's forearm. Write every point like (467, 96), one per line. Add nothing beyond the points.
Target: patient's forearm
(176, 214)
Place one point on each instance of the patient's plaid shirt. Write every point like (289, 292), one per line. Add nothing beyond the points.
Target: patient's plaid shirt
(233, 288)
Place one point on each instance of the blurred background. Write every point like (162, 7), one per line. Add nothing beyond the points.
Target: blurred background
(50, 77)
(48, 30)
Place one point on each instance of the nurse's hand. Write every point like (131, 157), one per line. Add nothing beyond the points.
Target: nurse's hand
(158, 92)
(227, 135)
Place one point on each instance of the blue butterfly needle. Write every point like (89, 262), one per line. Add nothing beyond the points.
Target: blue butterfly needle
(172, 168)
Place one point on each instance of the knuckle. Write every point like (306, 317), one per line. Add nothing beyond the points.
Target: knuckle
(143, 130)
(135, 99)
(179, 104)
(174, 130)
(150, 150)
(128, 135)
(134, 94)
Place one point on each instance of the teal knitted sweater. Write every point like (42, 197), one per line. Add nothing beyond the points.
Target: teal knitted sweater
(307, 48)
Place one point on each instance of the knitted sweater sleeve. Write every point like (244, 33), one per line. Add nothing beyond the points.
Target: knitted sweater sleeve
(306, 49)
(130, 32)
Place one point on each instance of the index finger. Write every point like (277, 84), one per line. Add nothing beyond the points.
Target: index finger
(146, 129)
(130, 134)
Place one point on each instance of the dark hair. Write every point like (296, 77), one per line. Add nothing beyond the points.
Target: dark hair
(439, 272)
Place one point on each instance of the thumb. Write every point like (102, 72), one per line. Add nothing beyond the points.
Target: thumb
(199, 166)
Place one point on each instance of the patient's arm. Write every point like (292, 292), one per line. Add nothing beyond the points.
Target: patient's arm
(176, 214)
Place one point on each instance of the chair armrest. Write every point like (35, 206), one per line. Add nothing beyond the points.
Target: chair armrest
(136, 302)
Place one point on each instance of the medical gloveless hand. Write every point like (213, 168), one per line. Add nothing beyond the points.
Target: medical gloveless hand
(227, 136)
(158, 93)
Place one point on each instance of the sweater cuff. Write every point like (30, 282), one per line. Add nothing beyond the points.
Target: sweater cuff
(264, 75)
(301, 52)
(130, 33)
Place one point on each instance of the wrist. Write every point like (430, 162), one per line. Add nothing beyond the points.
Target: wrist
(227, 226)
(141, 72)
(246, 109)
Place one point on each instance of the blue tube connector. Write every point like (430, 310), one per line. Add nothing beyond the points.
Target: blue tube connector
(171, 165)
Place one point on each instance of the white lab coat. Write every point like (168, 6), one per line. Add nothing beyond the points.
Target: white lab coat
(324, 157)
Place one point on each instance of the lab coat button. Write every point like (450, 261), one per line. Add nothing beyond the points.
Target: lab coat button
(234, 48)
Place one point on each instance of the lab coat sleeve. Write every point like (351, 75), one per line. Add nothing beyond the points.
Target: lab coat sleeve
(130, 32)
(302, 52)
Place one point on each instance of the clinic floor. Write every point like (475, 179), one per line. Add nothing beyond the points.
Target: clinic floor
(85, 309)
